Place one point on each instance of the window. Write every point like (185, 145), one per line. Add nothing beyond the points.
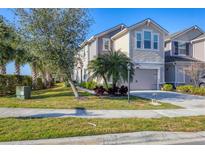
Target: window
(139, 40)
(180, 75)
(106, 44)
(181, 48)
(155, 41)
(147, 40)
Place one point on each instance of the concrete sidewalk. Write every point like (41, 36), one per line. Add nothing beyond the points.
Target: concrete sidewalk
(60, 113)
(144, 138)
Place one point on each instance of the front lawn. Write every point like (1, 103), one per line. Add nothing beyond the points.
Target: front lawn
(60, 97)
(12, 129)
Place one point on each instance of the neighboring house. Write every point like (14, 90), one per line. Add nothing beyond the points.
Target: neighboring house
(180, 53)
(91, 48)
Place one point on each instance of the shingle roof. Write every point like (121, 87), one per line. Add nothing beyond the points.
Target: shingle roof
(180, 59)
(173, 35)
(201, 37)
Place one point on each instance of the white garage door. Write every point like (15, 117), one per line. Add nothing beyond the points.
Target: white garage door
(144, 79)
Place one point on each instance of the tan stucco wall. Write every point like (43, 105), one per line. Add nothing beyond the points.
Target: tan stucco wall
(93, 50)
(199, 50)
(122, 44)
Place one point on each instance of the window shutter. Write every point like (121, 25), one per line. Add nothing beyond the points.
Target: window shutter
(187, 48)
(176, 52)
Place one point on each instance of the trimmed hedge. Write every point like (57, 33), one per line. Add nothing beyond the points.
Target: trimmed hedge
(185, 88)
(191, 90)
(8, 83)
(167, 87)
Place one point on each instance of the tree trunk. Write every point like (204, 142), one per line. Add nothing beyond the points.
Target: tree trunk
(49, 79)
(75, 91)
(106, 84)
(45, 83)
(2, 69)
(34, 75)
(17, 68)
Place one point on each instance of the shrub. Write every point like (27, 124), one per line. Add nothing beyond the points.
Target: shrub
(113, 91)
(185, 88)
(89, 85)
(123, 90)
(191, 90)
(198, 91)
(167, 87)
(99, 90)
(8, 83)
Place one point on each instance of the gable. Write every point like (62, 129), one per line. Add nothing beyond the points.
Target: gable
(149, 23)
(189, 35)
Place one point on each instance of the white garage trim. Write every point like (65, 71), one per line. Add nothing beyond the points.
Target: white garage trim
(151, 68)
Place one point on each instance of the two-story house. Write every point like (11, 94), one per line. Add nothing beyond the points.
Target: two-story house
(143, 42)
(180, 53)
(91, 48)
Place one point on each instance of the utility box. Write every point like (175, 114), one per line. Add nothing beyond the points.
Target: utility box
(23, 92)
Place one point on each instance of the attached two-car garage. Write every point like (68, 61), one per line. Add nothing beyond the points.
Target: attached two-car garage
(144, 79)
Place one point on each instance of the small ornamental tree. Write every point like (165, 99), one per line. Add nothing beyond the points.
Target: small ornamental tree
(55, 35)
(194, 71)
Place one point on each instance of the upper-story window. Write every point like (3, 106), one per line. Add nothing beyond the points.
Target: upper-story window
(139, 40)
(106, 44)
(181, 48)
(156, 41)
(147, 39)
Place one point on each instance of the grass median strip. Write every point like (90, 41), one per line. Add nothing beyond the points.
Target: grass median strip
(60, 97)
(13, 129)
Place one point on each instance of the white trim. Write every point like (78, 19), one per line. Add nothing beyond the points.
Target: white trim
(106, 39)
(129, 45)
(198, 40)
(184, 76)
(138, 32)
(147, 30)
(142, 40)
(160, 28)
(137, 62)
(157, 41)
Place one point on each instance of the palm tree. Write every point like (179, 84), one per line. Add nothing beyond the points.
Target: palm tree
(6, 51)
(98, 69)
(19, 59)
(112, 65)
(5, 57)
(117, 67)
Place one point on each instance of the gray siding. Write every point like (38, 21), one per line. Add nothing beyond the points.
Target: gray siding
(144, 55)
(100, 40)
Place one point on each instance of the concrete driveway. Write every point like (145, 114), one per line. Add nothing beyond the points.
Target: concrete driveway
(183, 100)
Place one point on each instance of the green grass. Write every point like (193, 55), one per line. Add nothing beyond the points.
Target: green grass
(62, 98)
(12, 129)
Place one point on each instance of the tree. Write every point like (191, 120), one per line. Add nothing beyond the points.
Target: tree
(6, 52)
(194, 71)
(56, 35)
(98, 69)
(112, 65)
(20, 56)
